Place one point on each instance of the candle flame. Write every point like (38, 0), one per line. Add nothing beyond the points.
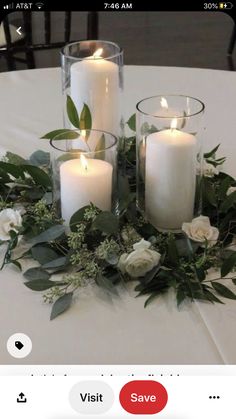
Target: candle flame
(98, 53)
(164, 103)
(173, 124)
(84, 162)
(83, 134)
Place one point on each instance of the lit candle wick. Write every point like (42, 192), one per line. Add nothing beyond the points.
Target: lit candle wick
(173, 124)
(98, 53)
(84, 162)
(164, 103)
(83, 133)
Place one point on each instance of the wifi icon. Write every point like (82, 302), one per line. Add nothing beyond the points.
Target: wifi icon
(39, 5)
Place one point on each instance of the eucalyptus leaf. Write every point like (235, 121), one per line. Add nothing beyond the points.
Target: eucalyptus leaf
(72, 112)
(106, 222)
(43, 254)
(61, 305)
(48, 235)
(14, 170)
(77, 217)
(34, 194)
(224, 186)
(15, 159)
(56, 263)
(105, 283)
(228, 264)
(38, 175)
(40, 284)
(228, 202)
(40, 158)
(47, 197)
(34, 274)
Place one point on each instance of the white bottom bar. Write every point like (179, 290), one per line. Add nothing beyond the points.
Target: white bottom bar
(48, 397)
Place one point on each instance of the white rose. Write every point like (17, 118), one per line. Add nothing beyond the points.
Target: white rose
(140, 261)
(10, 219)
(231, 190)
(209, 170)
(200, 230)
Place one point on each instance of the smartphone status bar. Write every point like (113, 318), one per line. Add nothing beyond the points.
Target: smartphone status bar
(107, 5)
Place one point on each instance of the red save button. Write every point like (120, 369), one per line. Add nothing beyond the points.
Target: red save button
(143, 396)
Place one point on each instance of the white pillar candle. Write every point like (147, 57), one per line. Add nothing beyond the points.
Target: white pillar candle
(170, 178)
(95, 81)
(83, 183)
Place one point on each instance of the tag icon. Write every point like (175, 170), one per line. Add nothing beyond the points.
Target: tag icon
(19, 345)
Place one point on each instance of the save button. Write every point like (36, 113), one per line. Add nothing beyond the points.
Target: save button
(143, 397)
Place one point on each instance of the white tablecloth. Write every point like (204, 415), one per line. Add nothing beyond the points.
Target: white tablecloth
(95, 331)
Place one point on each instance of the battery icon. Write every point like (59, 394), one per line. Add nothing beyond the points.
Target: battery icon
(226, 6)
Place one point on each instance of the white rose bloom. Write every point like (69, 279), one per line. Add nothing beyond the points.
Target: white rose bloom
(10, 219)
(140, 261)
(231, 190)
(200, 230)
(209, 170)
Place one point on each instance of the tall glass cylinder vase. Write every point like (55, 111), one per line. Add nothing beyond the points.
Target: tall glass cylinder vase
(84, 171)
(92, 75)
(169, 159)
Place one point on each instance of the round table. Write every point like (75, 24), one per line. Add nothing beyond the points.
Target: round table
(96, 330)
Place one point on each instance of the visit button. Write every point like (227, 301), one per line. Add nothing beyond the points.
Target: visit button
(143, 397)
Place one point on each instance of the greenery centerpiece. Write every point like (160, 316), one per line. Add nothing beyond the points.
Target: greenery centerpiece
(105, 249)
